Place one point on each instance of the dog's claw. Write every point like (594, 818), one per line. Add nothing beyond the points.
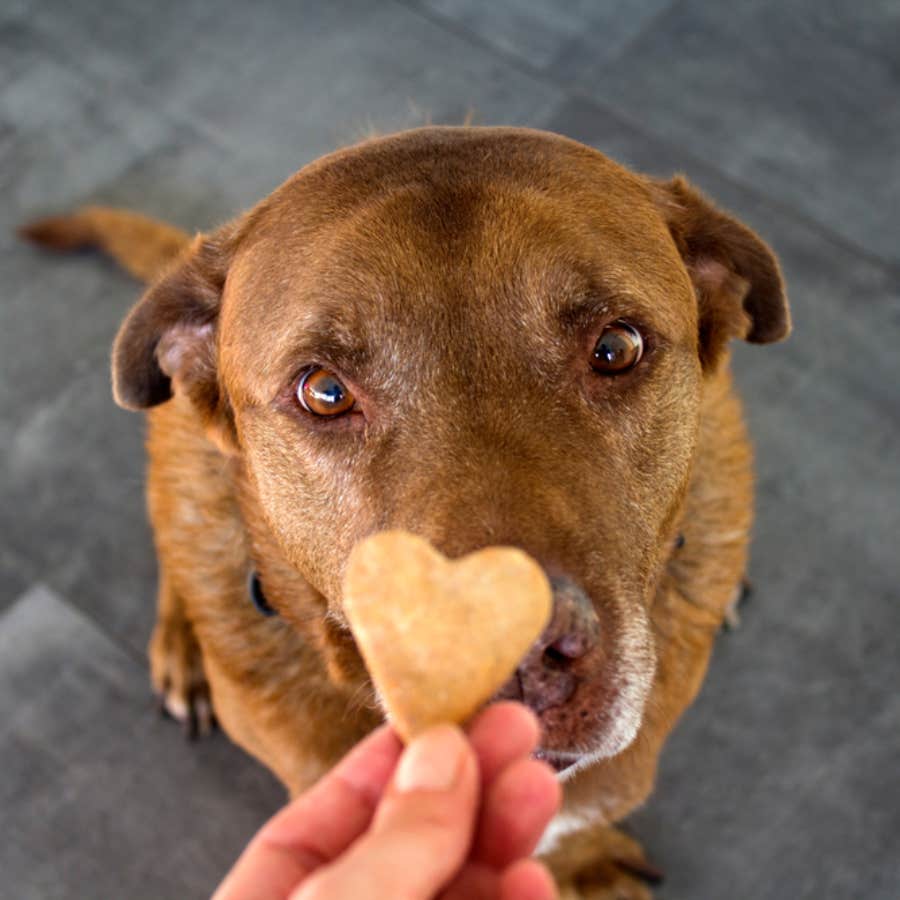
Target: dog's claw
(644, 870)
(742, 593)
(203, 720)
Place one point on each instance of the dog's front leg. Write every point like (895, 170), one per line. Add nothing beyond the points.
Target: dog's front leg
(602, 863)
(176, 664)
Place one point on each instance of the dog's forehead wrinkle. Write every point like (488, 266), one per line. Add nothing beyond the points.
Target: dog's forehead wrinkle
(326, 336)
(400, 305)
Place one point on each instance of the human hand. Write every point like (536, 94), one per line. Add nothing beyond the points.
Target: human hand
(453, 816)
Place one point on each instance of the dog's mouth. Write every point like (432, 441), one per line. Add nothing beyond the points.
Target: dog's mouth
(586, 689)
(559, 760)
(585, 678)
(568, 724)
(589, 706)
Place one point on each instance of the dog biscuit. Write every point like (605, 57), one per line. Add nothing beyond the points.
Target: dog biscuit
(440, 636)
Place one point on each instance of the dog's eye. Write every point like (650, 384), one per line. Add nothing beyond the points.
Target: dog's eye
(618, 349)
(323, 394)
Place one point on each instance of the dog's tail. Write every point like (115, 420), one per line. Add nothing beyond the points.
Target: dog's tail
(142, 246)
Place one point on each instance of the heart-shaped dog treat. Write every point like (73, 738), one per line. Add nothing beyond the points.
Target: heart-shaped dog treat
(440, 636)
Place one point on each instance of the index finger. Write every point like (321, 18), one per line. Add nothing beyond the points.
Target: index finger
(318, 826)
(502, 733)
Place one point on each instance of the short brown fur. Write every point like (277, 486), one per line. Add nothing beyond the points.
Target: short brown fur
(457, 279)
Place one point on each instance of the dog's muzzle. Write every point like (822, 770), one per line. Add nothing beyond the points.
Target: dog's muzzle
(546, 678)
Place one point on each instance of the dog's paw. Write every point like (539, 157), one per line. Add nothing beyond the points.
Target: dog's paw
(176, 670)
(603, 864)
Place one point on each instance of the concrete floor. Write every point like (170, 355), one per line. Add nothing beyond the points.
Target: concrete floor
(784, 780)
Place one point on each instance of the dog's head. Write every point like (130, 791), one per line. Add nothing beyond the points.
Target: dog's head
(484, 336)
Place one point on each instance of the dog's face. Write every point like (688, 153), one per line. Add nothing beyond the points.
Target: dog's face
(484, 337)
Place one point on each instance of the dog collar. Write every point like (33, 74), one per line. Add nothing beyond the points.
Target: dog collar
(254, 588)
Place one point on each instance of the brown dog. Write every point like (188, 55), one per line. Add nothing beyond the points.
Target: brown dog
(485, 336)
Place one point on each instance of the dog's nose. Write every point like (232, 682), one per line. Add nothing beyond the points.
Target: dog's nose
(546, 676)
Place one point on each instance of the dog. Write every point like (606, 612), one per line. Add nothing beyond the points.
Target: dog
(483, 336)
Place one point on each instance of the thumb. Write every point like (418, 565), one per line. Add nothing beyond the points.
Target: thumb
(422, 830)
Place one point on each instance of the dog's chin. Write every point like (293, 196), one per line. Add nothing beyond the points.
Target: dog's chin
(567, 762)
(601, 720)
(560, 761)
(609, 741)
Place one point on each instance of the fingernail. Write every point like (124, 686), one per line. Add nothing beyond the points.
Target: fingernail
(432, 761)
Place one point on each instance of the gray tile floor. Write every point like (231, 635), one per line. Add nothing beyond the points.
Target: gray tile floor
(783, 781)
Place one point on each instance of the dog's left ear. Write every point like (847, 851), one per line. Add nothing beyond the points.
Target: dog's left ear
(740, 291)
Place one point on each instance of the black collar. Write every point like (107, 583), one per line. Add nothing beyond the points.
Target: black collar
(254, 588)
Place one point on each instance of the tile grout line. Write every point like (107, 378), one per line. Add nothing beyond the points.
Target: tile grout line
(121, 643)
(525, 68)
(77, 611)
(145, 98)
(649, 25)
(208, 132)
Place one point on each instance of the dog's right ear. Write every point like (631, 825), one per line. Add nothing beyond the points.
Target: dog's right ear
(167, 343)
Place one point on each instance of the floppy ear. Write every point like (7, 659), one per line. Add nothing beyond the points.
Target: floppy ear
(740, 292)
(167, 343)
